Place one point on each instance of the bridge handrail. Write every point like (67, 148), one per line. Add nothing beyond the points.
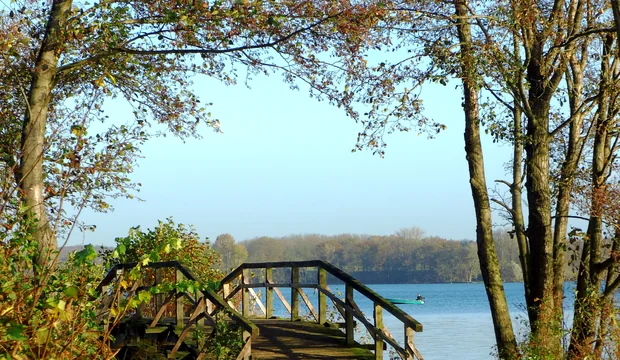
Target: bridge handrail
(347, 307)
(206, 292)
(336, 272)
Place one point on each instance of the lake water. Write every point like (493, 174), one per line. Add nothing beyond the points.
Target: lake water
(456, 317)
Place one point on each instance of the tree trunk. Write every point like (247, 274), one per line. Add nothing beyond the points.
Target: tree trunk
(567, 176)
(33, 132)
(517, 207)
(545, 326)
(589, 280)
(489, 264)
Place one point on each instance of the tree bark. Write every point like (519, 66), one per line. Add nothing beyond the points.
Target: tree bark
(565, 187)
(33, 131)
(517, 206)
(589, 277)
(545, 69)
(545, 326)
(489, 264)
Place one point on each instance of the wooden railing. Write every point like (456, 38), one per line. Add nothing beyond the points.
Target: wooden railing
(240, 281)
(189, 309)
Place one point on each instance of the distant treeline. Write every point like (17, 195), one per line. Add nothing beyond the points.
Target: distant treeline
(404, 257)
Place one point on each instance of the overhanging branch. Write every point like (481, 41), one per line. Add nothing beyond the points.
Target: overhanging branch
(138, 52)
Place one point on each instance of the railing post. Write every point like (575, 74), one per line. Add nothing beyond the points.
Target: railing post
(294, 294)
(198, 298)
(105, 290)
(159, 298)
(348, 315)
(409, 343)
(179, 303)
(378, 315)
(226, 290)
(322, 274)
(209, 306)
(268, 293)
(245, 296)
(247, 338)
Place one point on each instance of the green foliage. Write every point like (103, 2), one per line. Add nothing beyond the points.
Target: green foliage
(226, 342)
(377, 258)
(166, 242)
(48, 314)
(146, 55)
(55, 313)
(224, 245)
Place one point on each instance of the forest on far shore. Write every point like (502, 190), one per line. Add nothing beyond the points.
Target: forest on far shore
(407, 256)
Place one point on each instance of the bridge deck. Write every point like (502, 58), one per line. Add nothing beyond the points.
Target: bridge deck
(272, 338)
(283, 339)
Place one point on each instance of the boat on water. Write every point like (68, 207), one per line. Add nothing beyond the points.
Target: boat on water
(406, 301)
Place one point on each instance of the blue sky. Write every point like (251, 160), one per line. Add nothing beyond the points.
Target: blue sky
(284, 165)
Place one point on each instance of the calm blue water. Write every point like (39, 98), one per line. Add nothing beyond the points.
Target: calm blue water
(456, 317)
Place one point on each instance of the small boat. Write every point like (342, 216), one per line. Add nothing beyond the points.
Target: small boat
(406, 301)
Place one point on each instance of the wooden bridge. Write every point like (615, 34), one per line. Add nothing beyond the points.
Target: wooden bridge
(182, 317)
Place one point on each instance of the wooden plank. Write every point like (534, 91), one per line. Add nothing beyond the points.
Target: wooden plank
(378, 317)
(286, 340)
(233, 274)
(106, 304)
(179, 301)
(227, 295)
(172, 295)
(360, 316)
(279, 285)
(192, 300)
(196, 314)
(343, 276)
(388, 333)
(231, 294)
(294, 294)
(373, 296)
(410, 349)
(200, 298)
(308, 304)
(259, 303)
(245, 297)
(348, 315)
(283, 299)
(246, 351)
(159, 298)
(209, 294)
(268, 293)
(326, 290)
(322, 282)
(209, 307)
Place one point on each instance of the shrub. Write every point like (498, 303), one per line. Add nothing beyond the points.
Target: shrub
(49, 313)
(53, 312)
(167, 242)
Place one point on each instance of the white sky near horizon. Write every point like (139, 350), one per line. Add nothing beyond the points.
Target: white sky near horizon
(284, 166)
